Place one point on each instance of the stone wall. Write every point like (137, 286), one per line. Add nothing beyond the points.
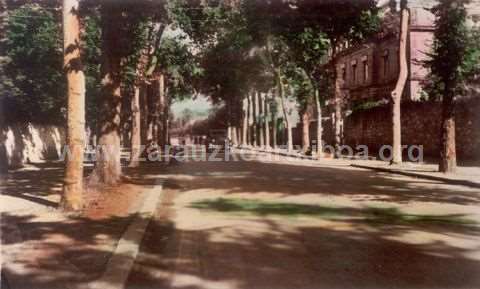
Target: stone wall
(420, 126)
(25, 143)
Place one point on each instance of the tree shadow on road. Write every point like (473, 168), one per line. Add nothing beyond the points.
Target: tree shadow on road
(342, 247)
(37, 184)
(293, 179)
(366, 248)
(389, 215)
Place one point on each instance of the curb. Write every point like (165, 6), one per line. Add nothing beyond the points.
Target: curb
(297, 155)
(120, 264)
(280, 153)
(419, 175)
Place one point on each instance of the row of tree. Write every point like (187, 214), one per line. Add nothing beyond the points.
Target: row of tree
(144, 63)
(123, 65)
(276, 52)
(125, 62)
(284, 52)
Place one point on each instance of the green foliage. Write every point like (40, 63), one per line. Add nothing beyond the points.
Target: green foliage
(178, 63)
(350, 20)
(230, 66)
(366, 105)
(455, 55)
(204, 21)
(35, 86)
(229, 48)
(308, 51)
(370, 215)
(253, 44)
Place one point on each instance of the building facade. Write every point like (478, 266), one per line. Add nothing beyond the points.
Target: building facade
(369, 71)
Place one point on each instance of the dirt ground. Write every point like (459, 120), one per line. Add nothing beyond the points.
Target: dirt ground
(45, 248)
(287, 225)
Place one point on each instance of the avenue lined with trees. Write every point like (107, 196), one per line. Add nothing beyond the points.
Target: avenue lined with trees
(125, 63)
(239, 144)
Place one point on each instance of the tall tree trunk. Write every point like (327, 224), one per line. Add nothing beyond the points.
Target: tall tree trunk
(254, 117)
(266, 112)
(305, 130)
(289, 137)
(261, 105)
(281, 93)
(245, 121)
(234, 123)
(448, 153)
(234, 135)
(338, 125)
(73, 180)
(166, 119)
(318, 108)
(161, 111)
(274, 120)
(249, 119)
(239, 135)
(398, 91)
(144, 115)
(107, 167)
(3, 61)
(274, 130)
(338, 117)
(228, 105)
(152, 100)
(135, 138)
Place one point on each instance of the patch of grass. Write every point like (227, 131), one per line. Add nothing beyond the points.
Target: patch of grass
(374, 215)
(259, 207)
(395, 216)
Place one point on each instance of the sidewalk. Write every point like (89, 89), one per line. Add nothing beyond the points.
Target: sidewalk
(465, 176)
(43, 247)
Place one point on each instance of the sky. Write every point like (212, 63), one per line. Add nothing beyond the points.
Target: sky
(200, 105)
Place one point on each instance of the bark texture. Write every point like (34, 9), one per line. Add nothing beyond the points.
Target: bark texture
(245, 122)
(338, 102)
(254, 119)
(136, 124)
(286, 120)
(398, 91)
(166, 119)
(448, 154)
(266, 120)
(143, 115)
(249, 120)
(261, 118)
(338, 116)
(274, 131)
(160, 111)
(318, 108)
(73, 180)
(305, 130)
(107, 167)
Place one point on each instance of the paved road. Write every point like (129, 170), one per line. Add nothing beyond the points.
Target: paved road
(263, 224)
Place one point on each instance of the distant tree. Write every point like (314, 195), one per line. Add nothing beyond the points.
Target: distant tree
(454, 60)
(340, 21)
(230, 70)
(137, 72)
(310, 49)
(180, 70)
(304, 93)
(118, 22)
